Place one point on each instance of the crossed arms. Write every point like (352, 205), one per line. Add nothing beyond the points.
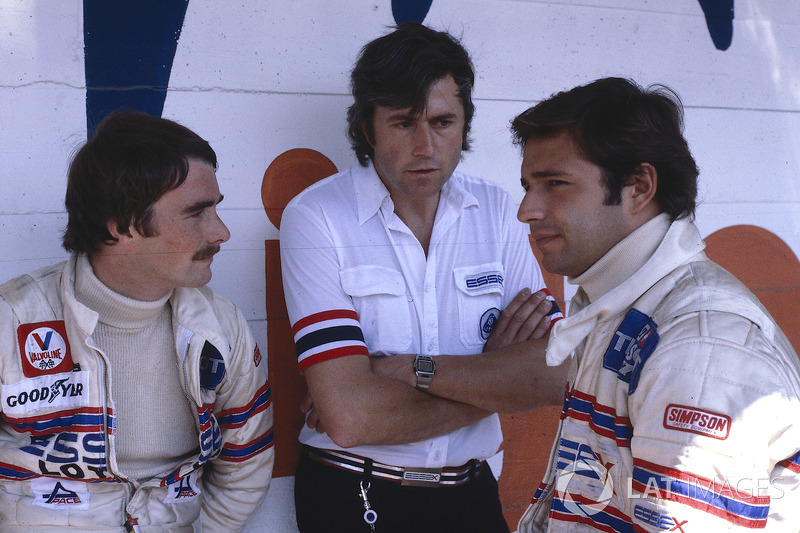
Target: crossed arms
(359, 401)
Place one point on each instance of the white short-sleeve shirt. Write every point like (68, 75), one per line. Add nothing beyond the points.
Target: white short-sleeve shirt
(357, 281)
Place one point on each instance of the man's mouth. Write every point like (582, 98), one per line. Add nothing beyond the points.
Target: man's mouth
(543, 239)
(206, 253)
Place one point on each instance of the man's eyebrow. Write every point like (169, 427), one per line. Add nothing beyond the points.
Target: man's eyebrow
(404, 115)
(199, 206)
(541, 174)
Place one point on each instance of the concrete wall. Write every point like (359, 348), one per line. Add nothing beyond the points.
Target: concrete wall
(258, 78)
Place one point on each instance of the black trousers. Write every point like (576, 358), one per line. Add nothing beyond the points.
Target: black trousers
(328, 500)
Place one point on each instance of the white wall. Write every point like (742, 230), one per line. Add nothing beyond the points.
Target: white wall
(259, 78)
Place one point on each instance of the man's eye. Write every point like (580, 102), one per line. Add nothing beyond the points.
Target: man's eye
(556, 183)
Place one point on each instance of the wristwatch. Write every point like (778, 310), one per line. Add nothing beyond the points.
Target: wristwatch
(424, 369)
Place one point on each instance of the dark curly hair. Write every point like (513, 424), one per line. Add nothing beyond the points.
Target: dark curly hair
(617, 125)
(397, 70)
(119, 174)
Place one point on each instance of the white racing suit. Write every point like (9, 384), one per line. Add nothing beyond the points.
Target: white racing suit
(683, 406)
(58, 469)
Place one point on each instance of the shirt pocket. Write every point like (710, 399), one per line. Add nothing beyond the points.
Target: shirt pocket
(480, 295)
(379, 298)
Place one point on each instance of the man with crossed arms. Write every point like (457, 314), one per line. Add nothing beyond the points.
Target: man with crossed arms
(404, 255)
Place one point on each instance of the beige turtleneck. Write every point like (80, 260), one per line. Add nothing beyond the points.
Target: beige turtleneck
(156, 426)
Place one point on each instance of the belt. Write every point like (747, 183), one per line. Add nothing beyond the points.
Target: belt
(409, 476)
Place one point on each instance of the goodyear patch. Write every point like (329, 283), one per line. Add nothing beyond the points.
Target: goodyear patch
(59, 391)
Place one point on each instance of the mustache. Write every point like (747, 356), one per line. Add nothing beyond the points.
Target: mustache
(208, 251)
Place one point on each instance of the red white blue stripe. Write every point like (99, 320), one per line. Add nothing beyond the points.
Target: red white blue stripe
(717, 498)
(328, 335)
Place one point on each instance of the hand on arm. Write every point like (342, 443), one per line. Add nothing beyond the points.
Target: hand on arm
(525, 318)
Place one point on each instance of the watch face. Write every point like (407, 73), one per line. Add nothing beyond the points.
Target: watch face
(425, 365)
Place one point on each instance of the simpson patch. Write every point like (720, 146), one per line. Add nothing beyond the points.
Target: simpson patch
(698, 421)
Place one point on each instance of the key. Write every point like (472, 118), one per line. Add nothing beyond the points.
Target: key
(370, 516)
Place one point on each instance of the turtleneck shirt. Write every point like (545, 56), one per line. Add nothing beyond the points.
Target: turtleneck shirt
(156, 425)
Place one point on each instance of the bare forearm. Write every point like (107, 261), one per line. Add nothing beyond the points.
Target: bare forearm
(423, 418)
(357, 407)
(512, 379)
(505, 381)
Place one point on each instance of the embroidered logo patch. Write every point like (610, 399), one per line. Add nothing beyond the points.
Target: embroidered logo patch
(185, 489)
(699, 421)
(44, 348)
(46, 392)
(631, 346)
(212, 367)
(60, 493)
(489, 321)
(483, 279)
(256, 356)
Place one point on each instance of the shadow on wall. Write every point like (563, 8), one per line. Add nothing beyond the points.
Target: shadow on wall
(770, 269)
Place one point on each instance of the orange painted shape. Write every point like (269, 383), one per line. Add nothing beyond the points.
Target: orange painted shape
(767, 266)
(288, 386)
(288, 175)
(528, 437)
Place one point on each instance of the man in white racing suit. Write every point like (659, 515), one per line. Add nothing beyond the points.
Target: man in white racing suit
(684, 395)
(133, 398)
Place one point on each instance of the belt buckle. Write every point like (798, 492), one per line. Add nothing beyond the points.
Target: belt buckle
(421, 477)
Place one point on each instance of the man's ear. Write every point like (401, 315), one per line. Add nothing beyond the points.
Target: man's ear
(368, 134)
(641, 189)
(123, 238)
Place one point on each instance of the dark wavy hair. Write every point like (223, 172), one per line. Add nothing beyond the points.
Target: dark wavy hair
(397, 70)
(119, 174)
(617, 125)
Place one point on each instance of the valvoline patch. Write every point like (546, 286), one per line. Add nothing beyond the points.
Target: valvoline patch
(44, 348)
(632, 344)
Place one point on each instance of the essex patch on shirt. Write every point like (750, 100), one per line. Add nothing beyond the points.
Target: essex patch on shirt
(479, 282)
(699, 421)
(44, 348)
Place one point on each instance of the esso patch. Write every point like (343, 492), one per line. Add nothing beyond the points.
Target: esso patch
(44, 348)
